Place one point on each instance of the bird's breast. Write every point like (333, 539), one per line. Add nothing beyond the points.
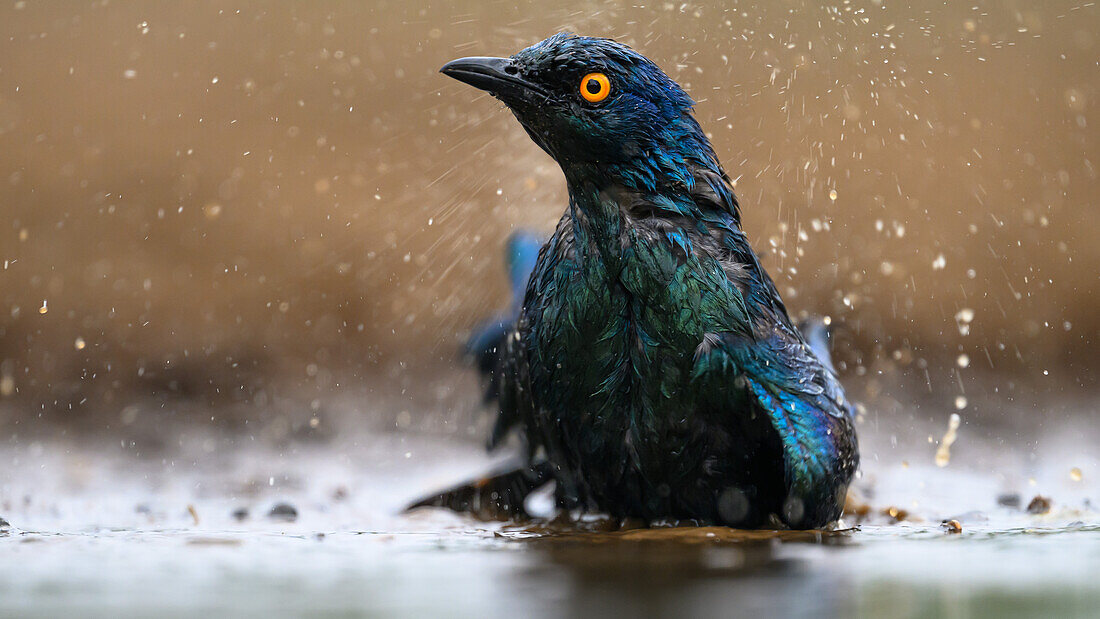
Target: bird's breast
(614, 342)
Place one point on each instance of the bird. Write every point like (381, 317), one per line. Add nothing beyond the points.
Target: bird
(652, 370)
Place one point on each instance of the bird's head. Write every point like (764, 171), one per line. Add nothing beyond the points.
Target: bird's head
(591, 101)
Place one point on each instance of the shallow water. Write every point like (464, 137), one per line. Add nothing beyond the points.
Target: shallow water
(97, 530)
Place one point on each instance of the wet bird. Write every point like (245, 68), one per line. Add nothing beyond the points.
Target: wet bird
(652, 370)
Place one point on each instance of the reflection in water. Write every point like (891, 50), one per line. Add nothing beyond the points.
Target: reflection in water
(680, 571)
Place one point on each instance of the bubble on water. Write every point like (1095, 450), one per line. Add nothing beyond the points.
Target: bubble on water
(45, 308)
(943, 454)
(963, 360)
(939, 263)
(79, 343)
(832, 195)
(1075, 474)
(129, 74)
(960, 402)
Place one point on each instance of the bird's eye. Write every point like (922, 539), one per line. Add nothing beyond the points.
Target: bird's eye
(595, 87)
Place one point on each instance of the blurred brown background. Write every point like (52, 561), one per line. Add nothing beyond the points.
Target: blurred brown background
(235, 202)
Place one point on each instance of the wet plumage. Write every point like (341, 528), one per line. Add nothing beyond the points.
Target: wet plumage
(652, 367)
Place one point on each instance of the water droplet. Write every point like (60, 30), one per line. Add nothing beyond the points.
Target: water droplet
(964, 317)
(832, 195)
(1075, 474)
(963, 360)
(943, 454)
(79, 343)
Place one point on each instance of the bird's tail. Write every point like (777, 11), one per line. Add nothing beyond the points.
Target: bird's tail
(817, 334)
(498, 495)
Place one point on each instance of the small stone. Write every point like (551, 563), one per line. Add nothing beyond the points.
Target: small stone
(283, 511)
(1010, 499)
(1039, 505)
(240, 514)
(951, 526)
(4, 524)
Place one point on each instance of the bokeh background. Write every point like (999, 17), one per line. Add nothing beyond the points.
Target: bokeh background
(273, 212)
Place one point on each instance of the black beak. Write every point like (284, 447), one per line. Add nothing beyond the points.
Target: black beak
(499, 76)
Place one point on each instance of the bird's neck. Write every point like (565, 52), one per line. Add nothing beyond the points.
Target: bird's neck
(684, 185)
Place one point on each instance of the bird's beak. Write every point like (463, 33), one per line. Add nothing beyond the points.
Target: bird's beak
(499, 76)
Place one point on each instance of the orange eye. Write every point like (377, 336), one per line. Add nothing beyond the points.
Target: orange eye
(595, 87)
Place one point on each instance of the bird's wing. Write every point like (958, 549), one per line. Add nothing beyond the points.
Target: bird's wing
(806, 406)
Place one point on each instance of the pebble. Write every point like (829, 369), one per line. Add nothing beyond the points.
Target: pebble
(951, 526)
(283, 511)
(1039, 505)
(1009, 500)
